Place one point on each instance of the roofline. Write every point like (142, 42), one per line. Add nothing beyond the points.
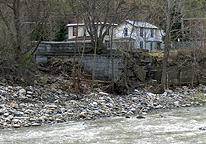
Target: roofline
(82, 24)
(75, 24)
(133, 24)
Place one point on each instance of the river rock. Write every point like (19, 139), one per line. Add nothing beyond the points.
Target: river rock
(94, 103)
(43, 118)
(197, 103)
(9, 125)
(70, 114)
(26, 125)
(63, 110)
(103, 93)
(51, 118)
(22, 105)
(29, 111)
(22, 92)
(29, 92)
(177, 103)
(53, 90)
(17, 113)
(45, 106)
(134, 99)
(10, 117)
(188, 105)
(51, 106)
(31, 105)
(150, 94)
(130, 113)
(14, 105)
(6, 114)
(58, 116)
(158, 106)
(160, 116)
(82, 115)
(4, 124)
(2, 111)
(16, 126)
(144, 113)
(36, 124)
(32, 119)
(58, 120)
(15, 121)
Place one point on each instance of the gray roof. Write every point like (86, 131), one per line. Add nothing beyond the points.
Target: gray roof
(141, 24)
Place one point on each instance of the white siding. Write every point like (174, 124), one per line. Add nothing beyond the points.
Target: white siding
(81, 31)
(134, 33)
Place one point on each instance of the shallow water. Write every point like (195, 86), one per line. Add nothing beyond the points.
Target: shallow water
(180, 126)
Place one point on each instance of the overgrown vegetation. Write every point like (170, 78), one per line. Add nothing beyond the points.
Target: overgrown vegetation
(201, 98)
(23, 22)
(21, 71)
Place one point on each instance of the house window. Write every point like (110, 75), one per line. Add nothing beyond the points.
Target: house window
(92, 30)
(107, 32)
(125, 32)
(141, 32)
(141, 44)
(75, 31)
(145, 34)
(85, 32)
(152, 33)
(151, 46)
(158, 46)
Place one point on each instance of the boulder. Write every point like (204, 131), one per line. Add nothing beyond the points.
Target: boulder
(177, 103)
(82, 115)
(22, 92)
(13, 105)
(51, 106)
(36, 124)
(134, 99)
(16, 126)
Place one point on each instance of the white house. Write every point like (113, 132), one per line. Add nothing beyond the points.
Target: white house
(78, 30)
(142, 35)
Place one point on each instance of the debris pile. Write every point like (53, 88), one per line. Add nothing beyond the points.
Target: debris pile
(66, 67)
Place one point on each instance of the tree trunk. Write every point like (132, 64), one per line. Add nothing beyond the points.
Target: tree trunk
(112, 58)
(17, 24)
(167, 46)
(94, 64)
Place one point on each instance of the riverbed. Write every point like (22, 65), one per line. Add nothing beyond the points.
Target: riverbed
(183, 125)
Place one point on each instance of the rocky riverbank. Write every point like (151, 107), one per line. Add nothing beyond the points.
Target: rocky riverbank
(36, 106)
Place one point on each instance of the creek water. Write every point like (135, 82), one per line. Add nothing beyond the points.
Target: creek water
(179, 126)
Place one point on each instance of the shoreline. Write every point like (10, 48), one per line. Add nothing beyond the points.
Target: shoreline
(36, 106)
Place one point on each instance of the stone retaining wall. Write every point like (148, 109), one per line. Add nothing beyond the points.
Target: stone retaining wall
(103, 63)
(183, 75)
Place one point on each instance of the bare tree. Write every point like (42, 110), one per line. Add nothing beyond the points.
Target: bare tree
(167, 43)
(98, 17)
(167, 15)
